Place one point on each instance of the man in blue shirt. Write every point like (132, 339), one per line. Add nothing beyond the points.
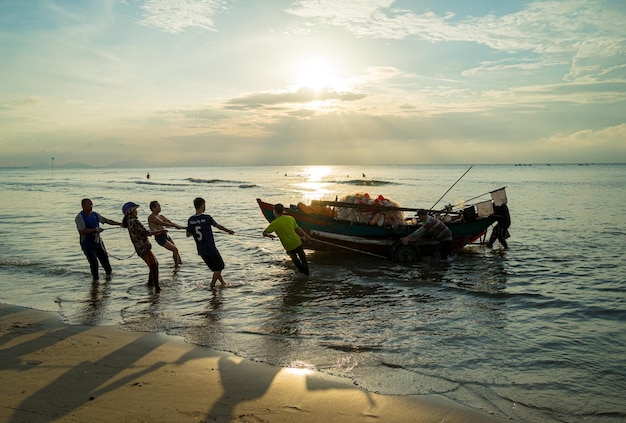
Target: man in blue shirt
(88, 226)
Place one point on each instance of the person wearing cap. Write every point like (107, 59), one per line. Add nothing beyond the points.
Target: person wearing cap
(435, 228)
(139, 237)
(199, 226)
(88, 226)
(157, 223)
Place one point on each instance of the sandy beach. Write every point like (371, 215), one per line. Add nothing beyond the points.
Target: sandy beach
(55, 372)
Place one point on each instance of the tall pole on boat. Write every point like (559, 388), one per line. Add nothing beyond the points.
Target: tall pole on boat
(444, 194)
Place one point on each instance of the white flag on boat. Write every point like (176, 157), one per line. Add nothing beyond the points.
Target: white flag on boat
(499, 196)
(485, 208)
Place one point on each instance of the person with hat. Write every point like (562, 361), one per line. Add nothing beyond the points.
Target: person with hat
(139, 237)
(435, 228)
(88, 226)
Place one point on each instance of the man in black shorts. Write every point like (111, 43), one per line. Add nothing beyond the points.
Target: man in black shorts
(157, 223)
(199, 225)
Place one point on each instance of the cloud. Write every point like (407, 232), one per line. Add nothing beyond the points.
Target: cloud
(22, 103)
(512, 64)
(176, 16)
(614, 137)
(372, 18)
(587, 34)
(302, 95)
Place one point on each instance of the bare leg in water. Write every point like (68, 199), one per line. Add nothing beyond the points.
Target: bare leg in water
(153, 265)
(175, 255)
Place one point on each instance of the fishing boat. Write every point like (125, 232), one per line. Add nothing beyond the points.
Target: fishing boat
(332, 226)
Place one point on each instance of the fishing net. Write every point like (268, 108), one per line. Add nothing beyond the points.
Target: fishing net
(371, 217)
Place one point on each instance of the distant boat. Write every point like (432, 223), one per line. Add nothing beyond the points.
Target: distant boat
(322, 221)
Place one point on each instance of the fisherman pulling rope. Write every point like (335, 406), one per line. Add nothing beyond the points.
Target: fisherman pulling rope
(92, 244)
(88, 226)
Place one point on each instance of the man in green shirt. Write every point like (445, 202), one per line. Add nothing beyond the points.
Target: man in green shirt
(289, 234)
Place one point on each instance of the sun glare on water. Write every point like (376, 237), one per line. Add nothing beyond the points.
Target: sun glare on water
(317, 173)
(314, 188)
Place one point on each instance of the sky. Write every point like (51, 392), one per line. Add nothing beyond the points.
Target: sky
(289, 82)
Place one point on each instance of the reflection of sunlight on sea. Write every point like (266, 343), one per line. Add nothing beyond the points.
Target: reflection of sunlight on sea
(317, 173)
(314, 188)
(313, 191)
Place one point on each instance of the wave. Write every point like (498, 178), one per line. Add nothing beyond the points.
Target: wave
(16, 263)
(158, 184)
(218, 182)
(222, 182)
(36, 269)
(353, 348)
(241, 184)
(365, 182)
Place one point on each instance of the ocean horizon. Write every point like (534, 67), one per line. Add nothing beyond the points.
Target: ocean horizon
(150, 165)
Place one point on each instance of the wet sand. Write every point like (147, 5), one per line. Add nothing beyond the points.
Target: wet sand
(55, 372)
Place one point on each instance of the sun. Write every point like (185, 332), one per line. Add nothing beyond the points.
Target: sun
(318, 74)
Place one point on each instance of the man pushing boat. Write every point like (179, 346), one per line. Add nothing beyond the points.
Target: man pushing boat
(289, 234)
(434, 227)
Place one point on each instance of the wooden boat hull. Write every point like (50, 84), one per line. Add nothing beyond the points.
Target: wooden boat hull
(329, 233)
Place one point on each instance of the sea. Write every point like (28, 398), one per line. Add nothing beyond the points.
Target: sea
(533, 333)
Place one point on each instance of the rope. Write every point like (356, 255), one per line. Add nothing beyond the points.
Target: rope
(320, 241)
(473, 198)
(244, 235)
(348, 248)
(253, 236)
(111, 255)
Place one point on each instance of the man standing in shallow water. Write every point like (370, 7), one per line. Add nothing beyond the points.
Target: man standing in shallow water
(199, 225)
(88, 226)
(289, 234)
(157, 223)
(139, 237)
(501, 230)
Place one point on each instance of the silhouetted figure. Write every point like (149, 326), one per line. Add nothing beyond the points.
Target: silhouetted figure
(501, 230)
(139, 237)
(88, 226)
(199, 226)
(289, 234)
